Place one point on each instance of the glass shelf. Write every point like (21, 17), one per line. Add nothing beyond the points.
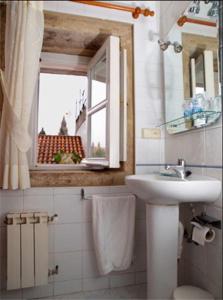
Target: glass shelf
(196, 120)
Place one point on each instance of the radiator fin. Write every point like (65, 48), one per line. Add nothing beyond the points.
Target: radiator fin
(27, 249)
(41, 250)
(13, 255)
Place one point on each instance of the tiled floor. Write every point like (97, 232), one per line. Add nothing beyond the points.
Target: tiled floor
(131, 292)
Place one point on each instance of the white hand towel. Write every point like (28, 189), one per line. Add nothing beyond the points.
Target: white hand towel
(113, 231)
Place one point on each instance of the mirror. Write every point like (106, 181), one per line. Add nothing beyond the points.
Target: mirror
(191, 69)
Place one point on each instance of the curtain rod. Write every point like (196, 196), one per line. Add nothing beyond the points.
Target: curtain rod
(184, 19)
(136, 11)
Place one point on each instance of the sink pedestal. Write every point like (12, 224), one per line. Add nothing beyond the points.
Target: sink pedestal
(162, 244)
(162, 195)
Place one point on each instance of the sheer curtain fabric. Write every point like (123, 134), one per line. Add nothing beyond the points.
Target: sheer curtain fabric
(23, 43)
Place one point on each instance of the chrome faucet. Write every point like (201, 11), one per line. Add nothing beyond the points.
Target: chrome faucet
(179, 168)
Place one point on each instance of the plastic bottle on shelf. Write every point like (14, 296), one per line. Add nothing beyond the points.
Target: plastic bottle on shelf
(187, 107)
(198, 110)
(217, 103)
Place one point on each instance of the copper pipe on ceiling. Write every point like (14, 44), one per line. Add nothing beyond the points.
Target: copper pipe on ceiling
(184, 19)
(136, 11)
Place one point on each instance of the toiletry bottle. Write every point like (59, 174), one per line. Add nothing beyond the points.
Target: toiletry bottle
(187, 106)
(198, 110)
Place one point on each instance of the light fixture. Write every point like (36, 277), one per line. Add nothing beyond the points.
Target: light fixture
(176, 46)
(164, 45)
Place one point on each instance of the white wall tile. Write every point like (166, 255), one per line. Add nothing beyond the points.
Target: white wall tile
(87, 211)
(39, 203)
(141, 277)
(140, 258)
(38, 292)
(190, 146)
(140, 233)
(68, 208)
(68, 237)
(214, 267)
(70, 265)
(119, 189)
(15, 294)
(2, 242)
(92, 284)
(40, 191)
(87, 236)
(148, 151)
(140, 209)
(67, 287)
(51, 237)
(10, 203)
(67, 191)
(198, 257)
(90, 269)
(213, 146)
(148, 169)
(122, 280)
(215, 290)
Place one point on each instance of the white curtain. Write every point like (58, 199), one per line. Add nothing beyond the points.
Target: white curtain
(23, 43)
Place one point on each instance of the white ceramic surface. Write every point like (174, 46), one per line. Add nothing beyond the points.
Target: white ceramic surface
(162, 194)
(166, 190)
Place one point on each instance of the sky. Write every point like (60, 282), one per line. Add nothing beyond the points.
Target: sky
(58, 95)
(57, 98)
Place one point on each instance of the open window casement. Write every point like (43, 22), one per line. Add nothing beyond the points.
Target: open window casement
(103, 110)
(106, 112)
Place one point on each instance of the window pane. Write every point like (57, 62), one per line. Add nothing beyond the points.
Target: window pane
(98, 134)
(98, 82)
(60, 95)
(61, 118)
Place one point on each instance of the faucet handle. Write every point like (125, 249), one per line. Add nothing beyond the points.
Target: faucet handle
(181, 162)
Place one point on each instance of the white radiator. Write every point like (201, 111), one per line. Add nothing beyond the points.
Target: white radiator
(27, 249)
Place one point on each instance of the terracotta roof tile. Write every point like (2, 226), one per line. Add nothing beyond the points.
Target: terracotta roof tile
(48, 145)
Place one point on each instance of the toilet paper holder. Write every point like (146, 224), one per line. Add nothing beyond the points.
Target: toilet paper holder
(204, 219)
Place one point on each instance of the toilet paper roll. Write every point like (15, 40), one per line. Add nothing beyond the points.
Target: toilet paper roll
(203, 234)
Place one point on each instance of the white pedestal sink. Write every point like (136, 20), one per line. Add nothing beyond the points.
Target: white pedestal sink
(162, 195)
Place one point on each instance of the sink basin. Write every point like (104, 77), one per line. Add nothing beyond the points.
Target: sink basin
(162, 195)
(166, 190)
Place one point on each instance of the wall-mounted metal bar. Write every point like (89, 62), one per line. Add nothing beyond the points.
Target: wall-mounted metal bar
(184, 19)
(187, 165)
(136, 11)
(83, 197)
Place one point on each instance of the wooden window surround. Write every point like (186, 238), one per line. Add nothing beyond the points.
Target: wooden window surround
(80, 35)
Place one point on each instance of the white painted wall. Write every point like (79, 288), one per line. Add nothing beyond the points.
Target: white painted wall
(170, 11)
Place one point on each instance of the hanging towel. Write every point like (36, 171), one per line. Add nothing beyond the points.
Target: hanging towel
(113, 231)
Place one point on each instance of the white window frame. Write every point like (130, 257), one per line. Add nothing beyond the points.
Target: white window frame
(111, 48)
(57, 63)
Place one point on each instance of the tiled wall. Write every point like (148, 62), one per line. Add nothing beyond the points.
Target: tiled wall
(70, 241)
(199, 265)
